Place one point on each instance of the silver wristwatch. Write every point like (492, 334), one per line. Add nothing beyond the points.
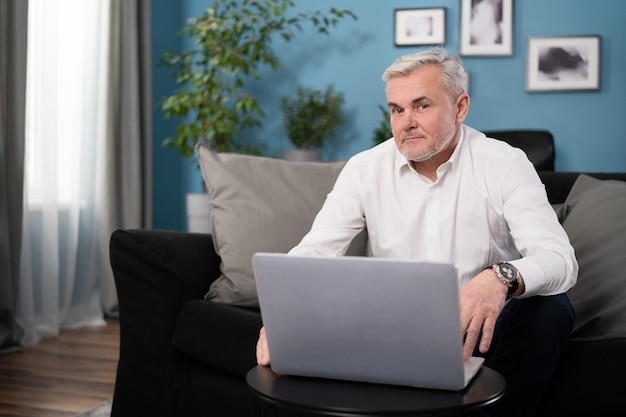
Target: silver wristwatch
(508, 274)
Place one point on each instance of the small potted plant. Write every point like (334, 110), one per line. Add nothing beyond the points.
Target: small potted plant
(311, 118)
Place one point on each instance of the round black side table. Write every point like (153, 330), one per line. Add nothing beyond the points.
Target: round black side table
(326, 397)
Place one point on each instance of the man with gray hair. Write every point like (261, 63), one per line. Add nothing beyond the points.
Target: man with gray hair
(441, 191)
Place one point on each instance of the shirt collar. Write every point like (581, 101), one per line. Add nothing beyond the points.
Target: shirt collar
(459, 146)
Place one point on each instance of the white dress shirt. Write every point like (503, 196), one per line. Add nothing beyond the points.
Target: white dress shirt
(487, 205)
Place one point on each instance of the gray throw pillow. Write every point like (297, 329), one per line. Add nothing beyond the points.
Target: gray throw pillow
(595, 222)
(559, 209)
(260, 205)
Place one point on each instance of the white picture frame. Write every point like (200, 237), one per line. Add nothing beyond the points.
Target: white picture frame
(486, 28)
(420, 26)
(563, 63)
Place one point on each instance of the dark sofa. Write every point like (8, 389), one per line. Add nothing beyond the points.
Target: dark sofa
(183, 356)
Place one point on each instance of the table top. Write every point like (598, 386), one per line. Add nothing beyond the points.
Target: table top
(334, 397)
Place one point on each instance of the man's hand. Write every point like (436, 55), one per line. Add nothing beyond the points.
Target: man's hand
(262, 351)
(482, 300)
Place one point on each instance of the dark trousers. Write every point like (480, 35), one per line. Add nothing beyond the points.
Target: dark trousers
(527, 344)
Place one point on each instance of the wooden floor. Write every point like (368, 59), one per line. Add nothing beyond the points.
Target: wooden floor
(62, 376)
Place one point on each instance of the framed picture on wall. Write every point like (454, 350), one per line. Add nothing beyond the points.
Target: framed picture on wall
(568, 63)
(420, 26)
(486, 28)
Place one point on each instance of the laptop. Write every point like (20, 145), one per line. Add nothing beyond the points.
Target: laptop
(363, 319)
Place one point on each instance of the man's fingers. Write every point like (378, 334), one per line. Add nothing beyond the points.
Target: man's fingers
(474, 332)
(262, 351)
(471, 338)
(488, 329)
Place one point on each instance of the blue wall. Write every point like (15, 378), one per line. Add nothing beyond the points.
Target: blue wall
(586, 125)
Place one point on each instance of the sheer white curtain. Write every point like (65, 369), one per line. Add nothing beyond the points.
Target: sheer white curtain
(66, 83)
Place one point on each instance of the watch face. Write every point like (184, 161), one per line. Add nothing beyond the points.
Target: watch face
(509, 276)
(508, 271)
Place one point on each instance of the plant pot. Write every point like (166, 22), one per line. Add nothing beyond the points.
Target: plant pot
(302, 155)
(199, 213)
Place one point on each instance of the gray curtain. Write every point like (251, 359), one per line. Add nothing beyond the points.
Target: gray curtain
(13, 38)
(126, 181)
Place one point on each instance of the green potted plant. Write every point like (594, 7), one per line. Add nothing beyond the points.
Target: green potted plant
(311, 118)
(232, 40)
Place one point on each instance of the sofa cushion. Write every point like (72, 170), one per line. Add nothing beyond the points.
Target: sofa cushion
(260, 205)
(219, 335)
(596, 225)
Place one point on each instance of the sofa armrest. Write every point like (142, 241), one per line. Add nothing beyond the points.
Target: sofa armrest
(156, 273)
